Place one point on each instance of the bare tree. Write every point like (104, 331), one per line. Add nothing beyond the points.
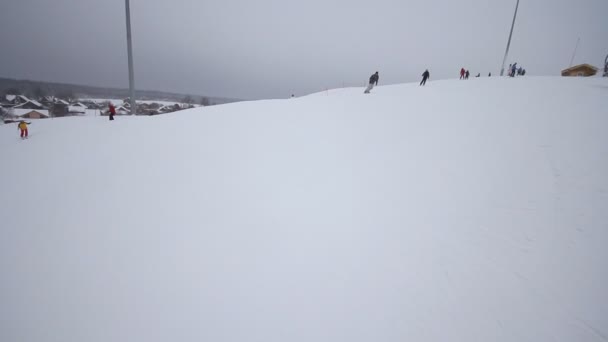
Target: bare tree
(66, 94)
(187, 99)
(205, 101)
(39, 92)
(12, 91)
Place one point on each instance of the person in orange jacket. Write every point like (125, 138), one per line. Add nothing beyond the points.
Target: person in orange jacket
(23, 127)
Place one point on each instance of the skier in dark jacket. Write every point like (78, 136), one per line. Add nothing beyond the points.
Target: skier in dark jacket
(466, 75)
(373, 80)
(425, 76)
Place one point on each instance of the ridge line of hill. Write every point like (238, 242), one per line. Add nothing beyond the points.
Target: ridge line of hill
(42, 88)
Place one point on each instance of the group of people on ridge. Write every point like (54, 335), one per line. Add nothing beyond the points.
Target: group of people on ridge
(514, 70)
(464, 75)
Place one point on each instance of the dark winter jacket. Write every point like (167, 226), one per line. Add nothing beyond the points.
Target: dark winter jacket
(374, 79)
(426, 74)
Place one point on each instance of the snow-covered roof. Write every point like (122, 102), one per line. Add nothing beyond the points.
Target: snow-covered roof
(76, 109)
(29, 101)
(36, 103)
(21, 111)
(22, 99)
(122, 109)
(25, 99)
(580, 66)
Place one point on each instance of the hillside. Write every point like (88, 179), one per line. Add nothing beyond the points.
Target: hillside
(38, 89)
(461, 211)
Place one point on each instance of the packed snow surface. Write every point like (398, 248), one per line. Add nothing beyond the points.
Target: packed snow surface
(461, 211)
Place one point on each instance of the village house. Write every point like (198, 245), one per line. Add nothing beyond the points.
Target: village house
(30, 104)
(35, 114)
(90, 104)
(20, 113)
(78, 104)
(47, 101)
(76, 110)
(584, 70)
(21, 101)
(60, 109)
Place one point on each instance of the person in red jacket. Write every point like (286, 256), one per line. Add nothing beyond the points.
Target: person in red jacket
(112, 111)
(462, 73)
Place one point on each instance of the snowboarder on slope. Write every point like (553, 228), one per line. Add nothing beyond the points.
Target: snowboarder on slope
(425, 76)
(23, 127)
(373, 80)
(462, 73)
(112, 111)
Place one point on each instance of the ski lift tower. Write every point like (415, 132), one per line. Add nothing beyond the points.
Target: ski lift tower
(130, 59)
(502, 69)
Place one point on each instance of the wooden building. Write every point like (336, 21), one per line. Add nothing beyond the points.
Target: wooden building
(35, 114)
(580, 70)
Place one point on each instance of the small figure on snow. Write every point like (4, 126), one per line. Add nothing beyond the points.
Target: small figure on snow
(462, 72)
(373, 80)
(513, 69)
(112, 111)
(478, 74)
(425, 76)
(466, 75)
(23, 127)
(490, 74)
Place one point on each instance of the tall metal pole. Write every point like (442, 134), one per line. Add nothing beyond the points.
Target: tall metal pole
(574, 53)
(130, 53)
(502, 69)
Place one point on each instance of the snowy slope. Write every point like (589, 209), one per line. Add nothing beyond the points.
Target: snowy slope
(461, 211)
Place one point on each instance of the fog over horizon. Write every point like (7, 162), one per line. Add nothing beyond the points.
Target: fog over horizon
(272, 49)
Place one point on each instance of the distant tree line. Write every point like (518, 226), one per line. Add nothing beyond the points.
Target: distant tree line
(36, 89)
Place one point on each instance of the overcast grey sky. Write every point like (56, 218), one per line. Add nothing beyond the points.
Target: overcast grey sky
(272, 48)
